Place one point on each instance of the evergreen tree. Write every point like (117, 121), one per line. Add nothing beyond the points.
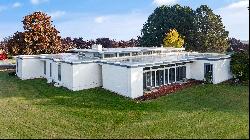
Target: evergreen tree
(210, 34)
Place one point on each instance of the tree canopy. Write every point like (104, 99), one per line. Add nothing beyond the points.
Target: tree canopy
(165, 18)
(203, 30)
(210, 33)
(39, 36)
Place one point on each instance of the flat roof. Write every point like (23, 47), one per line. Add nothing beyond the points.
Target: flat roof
(128, 49)
(134, 61)
(164, 59)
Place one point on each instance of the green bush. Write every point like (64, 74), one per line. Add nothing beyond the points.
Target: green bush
(240, 65)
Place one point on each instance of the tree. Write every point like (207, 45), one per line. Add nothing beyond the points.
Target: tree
(39, 35)
(105, 42)
(173, 39)
(165, 18)
(16, 44)
(237, 46)
(240, 65)
(210, 33)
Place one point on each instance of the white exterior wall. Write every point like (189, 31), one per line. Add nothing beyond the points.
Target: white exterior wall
(124, 81)
(19, 67)
(30, 68)
(197, 69)
(86, 76)
(135, 82)
(188, 70)
(222, 71)
(66, 75)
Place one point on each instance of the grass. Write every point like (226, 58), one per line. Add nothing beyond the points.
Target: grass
(35, 109)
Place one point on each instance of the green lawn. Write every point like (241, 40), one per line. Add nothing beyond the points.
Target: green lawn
(35, 109)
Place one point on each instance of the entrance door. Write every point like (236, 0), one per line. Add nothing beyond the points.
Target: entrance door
(208, 72)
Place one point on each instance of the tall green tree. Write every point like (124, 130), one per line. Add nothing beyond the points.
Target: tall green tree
(210, 34)
(165, 18)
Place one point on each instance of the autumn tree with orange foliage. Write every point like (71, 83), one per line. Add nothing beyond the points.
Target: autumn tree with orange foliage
(39, 36)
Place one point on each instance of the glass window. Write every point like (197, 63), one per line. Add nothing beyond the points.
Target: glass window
(166, 76)
(144, 80)
(59, 72)
(124, 54)
(17, 65)
(44, 67)
(178, 75)
(157, 78)
(153, 78)
(171, 75)
(148, 77)
(50, 71)
(161, 77)
(134, 53)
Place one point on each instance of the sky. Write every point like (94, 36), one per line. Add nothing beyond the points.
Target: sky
(116, 19)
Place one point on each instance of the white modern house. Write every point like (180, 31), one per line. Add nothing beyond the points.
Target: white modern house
(126, 71)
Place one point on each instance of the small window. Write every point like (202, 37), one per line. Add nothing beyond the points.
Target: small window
(50, 71)
(44, 68)
(17, 65)
(59, 72)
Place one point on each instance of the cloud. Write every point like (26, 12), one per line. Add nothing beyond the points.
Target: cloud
(16, 5)
(164, 2)
(36, 2)
(56, 14)
(100, 19)
(235, 17)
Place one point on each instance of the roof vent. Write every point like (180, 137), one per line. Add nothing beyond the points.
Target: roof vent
(97, 47)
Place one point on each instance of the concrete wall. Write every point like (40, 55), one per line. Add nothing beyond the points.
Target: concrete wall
(135, 82)
(86, 76)
(124, 81)
(19, 67)
(221, 70)
(30, 68)
(66, 75)
(197, 69)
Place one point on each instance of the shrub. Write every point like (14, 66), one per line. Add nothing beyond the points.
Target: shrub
(240, 65)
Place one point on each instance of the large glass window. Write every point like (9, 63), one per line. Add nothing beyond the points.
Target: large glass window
(166, 76)
(159, 77)
(59, 72)
(153, 78)
(148, 79)
(180, 73)
(44, 67)
(171, 75)
(124, 54)
(144, 80)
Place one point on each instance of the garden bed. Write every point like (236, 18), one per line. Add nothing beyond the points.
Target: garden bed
(168, 89)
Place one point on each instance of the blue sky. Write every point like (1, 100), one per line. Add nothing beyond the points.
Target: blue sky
(116, 19)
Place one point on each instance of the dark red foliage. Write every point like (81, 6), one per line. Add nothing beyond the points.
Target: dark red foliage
(3, 56)
(167, 89)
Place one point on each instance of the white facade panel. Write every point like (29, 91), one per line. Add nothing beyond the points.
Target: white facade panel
(222, 71)
(86, 76)
(124, 81)
(30, 68)
(116, 79)
(135, 82)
